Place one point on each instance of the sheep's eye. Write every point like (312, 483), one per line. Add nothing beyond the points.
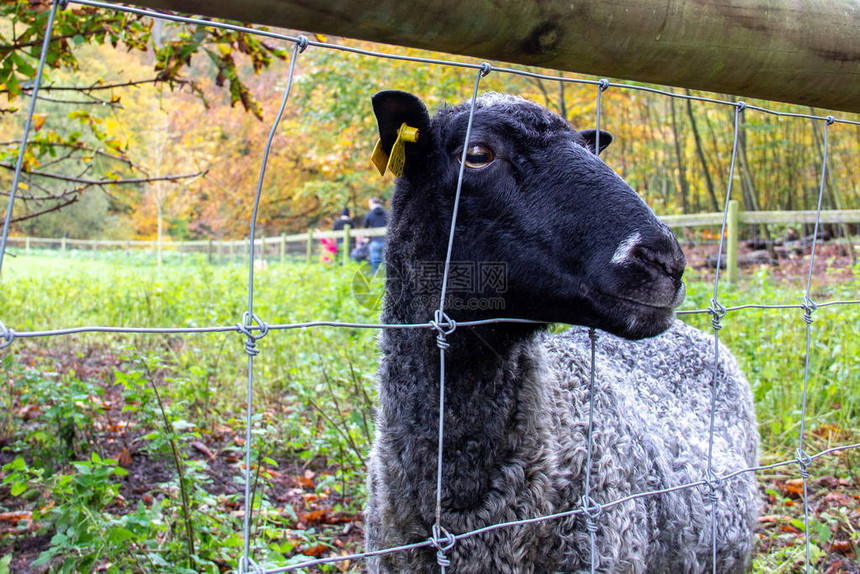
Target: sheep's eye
(479, 156)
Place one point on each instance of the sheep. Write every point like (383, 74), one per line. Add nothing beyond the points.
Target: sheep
(549, 233)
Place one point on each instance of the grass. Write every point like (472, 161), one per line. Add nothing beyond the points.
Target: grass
(170, 397)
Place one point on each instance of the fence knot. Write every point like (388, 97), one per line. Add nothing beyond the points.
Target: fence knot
(247, 326)
(714, 483)
(593, 335)
(717, 311)
(302, 42)
(741, 105)
(809, 307)
(442, 541)
(603, 84)
(62, 4)
(444, 325)
(803, 461)
(485, 68)
(592, 511)
(829, 120)
(6, 336)
(247, 566)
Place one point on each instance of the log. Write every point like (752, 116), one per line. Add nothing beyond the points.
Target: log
(804, 52)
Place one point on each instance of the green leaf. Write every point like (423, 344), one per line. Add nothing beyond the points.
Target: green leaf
(18, 464)
(119, 534)
(19, 488)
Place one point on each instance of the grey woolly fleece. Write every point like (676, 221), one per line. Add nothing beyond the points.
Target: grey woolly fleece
(652, 400)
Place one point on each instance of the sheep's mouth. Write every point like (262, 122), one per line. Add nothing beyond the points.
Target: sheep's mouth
(633, 301)
(674, 303)
(631, 316)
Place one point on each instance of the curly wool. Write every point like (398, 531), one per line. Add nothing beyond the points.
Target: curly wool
(652, 400)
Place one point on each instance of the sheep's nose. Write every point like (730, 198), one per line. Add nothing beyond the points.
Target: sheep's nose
(662, 254)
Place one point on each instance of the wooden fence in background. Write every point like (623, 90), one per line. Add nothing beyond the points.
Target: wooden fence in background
(301, 245)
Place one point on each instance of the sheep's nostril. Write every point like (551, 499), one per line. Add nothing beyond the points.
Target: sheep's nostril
(668, 259)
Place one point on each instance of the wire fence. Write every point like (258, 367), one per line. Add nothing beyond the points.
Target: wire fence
(253, 328)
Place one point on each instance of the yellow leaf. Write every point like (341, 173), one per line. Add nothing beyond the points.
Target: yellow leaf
(39, 121)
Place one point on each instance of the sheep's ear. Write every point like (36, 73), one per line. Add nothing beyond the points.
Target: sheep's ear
(393, 109)
(591, 138)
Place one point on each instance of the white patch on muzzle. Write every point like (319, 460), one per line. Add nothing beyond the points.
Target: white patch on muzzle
(622, 252)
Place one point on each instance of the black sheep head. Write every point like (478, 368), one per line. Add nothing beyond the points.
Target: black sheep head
(545, 229)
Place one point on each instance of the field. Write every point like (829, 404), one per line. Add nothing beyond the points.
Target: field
(123, 453)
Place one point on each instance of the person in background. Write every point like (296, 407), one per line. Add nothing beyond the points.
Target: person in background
(340, 223)
(329, 248)
(376, 217)
(361, 251)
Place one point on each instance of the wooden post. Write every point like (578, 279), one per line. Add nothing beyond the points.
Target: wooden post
(63, 245)
(346, 229)
(809, 49)
(283, 247)
(310, 245)
(209, 252)
(28, 245)
(732, 228)
(127, 247)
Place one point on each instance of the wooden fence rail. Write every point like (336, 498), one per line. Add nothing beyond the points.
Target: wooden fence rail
(304, 242)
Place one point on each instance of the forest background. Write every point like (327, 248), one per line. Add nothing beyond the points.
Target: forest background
(145, 126)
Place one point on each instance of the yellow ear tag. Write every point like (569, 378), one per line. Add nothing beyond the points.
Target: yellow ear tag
(395, 162)
(379, 157)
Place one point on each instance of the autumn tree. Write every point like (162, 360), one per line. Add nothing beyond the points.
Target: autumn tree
(74, 150)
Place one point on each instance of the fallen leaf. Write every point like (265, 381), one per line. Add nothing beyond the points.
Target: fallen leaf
(124, 458)
(316, 550)
(16, 516)
(828, 481)
(303, 481)
(203, 448)
(315, 517)
(793, 487)
(842, 546)
(774, 518)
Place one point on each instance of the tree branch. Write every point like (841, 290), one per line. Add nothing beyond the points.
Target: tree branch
(78, 147)
(127, 181)
(49, 196)
(93, 102)
(96, 86)
(34, 43)
(57, 207)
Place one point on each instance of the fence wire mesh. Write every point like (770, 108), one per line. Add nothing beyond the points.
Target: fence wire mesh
(253, 328)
